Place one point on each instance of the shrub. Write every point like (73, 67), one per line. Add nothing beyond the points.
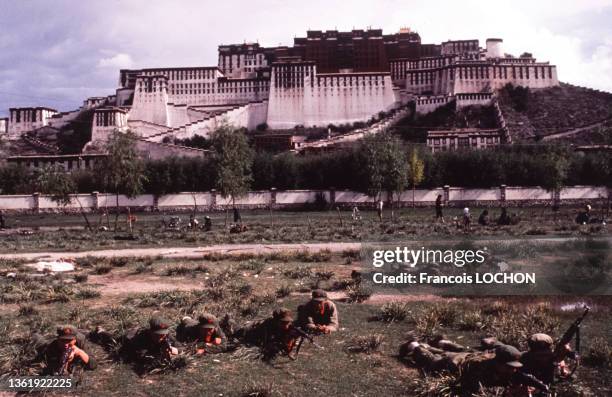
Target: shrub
(87, 293)
(283, 291)
(118, 262)
(472, 321)
(81, 277)
(253, 265)
(27, 310)
(324, 275)
(599, 353)
(298, 272)
(259, 389)
(394, 312)
(358, 293)
(365, 344)
(182, 270)
(102, 269)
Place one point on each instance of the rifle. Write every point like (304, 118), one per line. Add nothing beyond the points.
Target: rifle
(567, 337)
(302, 335)
(63, 369)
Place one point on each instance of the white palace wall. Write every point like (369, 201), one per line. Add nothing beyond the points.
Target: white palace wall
(478, 77)
(299, 96)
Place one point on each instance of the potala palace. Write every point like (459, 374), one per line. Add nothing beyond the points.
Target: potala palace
(327, 77)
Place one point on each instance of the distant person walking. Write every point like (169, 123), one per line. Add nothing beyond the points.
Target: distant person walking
(379, 209)
(467, 219)
(439, 215)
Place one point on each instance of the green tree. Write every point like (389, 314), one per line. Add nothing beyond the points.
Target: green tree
(385, 167)
(416, 171)
(55, 182)
(123, 170)
(555, 167)
(232, 162)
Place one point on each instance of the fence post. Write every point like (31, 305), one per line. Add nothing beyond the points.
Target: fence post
(96, 201)
(272, 197)
(332, 196)
(502, 195)
(213, 199)
(446, 194)
(36, 200)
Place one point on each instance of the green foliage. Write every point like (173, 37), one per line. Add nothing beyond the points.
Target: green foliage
(123, 171)
(232, 161)
(384, 164)
(14, 179)
(54, 181)
(196, 141)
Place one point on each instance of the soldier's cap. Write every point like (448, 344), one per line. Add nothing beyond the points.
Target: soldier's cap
(66, 332)
(319, 295)
(207, 320)
(508, 355)
(159, 325)
(279, 313)
(286, 318)
(540, 341)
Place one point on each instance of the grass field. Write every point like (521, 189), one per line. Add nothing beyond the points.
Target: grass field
(359, 360)
(58, 232)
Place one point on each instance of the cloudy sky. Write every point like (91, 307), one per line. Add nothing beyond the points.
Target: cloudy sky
(56, 53)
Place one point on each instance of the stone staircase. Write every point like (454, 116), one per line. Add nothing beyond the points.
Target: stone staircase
(380, 126)
(197, 125)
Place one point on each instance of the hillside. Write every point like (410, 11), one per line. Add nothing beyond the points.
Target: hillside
(414, 127)
(566, 112)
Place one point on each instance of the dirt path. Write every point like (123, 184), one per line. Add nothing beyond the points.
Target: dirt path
(189, 252)
(574, 131)
(237, 249)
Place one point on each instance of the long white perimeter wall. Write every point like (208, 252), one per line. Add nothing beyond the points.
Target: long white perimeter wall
(279, 198)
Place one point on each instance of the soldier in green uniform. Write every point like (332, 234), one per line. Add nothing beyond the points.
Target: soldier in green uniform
(154, 342)
(497, 365)
(207, 334)
(273, 335)
(64, 352)
(319, 315)
(542, 359)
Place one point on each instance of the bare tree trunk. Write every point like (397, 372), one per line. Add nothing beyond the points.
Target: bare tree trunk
(117, 211)
(82, 211)
(195, 204)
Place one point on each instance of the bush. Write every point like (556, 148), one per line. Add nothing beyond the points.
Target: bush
(365, 344)
(87, 293)
(358, 293)
(599, 353)
(253, 265)
(283, 291)
(81, 277)
(27, 310)
(118, 262)
(102, 269)
(298, 273)
(394, 312)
